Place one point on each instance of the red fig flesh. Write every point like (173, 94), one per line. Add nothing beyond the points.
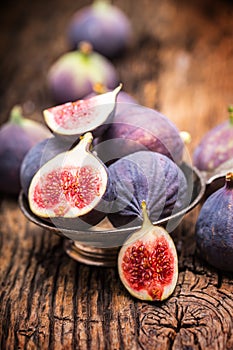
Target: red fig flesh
(148, 263)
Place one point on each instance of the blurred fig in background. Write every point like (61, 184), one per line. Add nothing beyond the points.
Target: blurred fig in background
(105, 26)
(17, 136)
(73, 74)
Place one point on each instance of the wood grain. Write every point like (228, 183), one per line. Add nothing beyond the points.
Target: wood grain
(180, 62)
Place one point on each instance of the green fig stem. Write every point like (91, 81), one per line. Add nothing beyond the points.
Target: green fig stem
(101, 4)
(230, 110)
(16, 115)
(229, 180)
(186, 137)
(146, 220)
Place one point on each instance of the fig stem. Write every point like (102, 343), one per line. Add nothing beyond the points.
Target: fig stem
(229, 180)
(85, 141)
(186, 137)
(16, 115)
(146, 220)
(85, 48)
(230, 110)
(99, 88)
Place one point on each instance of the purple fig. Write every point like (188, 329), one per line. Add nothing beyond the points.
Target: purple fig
(105, 26)
(17, 137)
(214, 227)
(216, 147)
(148, 176)
(72, 76)
(135, 128)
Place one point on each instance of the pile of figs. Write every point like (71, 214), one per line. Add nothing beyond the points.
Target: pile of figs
(104, 156)
(68, 182)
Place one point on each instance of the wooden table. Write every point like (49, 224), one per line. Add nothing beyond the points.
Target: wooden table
(181, 64)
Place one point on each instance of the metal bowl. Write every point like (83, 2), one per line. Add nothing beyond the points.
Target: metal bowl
(99, 245)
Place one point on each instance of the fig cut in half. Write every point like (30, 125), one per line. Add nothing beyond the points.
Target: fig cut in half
(69, 185)
(148, 263)
(81, 116)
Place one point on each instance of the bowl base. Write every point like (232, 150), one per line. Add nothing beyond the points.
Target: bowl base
(106, 257)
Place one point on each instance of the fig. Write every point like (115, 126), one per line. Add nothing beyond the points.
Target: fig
(105, 26)
(216, 147)
(73, 74)
(214, 227)
(149, 176)
(148, 262)
(69, 185)
(73, 119)
(37, 156)
(17, 136)
(135, 128)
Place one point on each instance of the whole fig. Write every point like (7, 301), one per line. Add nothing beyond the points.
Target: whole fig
(102, 24)
(214, 227)
(148, 176)
(135, 128)
(72, 76)
(17, 136)
(216, 147)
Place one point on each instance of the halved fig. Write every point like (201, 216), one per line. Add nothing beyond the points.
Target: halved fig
(76, 118)
(148, 262)
(69, 185)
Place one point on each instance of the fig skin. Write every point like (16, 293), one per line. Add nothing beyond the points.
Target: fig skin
(214, 227)
(148, 262)
(148, 176)
(216, 147)
(105, 26)
(17, 137)
(37, 156)
(73, 74)
(136, 128)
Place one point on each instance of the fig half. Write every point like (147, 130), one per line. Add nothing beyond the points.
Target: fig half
(148, 262)
(69, 185)
(76, 118)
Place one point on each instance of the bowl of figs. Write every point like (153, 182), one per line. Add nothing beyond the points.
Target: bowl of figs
(106, 157)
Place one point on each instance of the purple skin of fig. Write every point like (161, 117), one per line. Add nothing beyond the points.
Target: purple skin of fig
(214, 227)
(105, 26)
(135, 128)
(72, 76)
(17, 137)
(148, 176)
(216, 147)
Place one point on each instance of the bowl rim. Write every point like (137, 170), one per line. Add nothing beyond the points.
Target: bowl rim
(82, 233)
